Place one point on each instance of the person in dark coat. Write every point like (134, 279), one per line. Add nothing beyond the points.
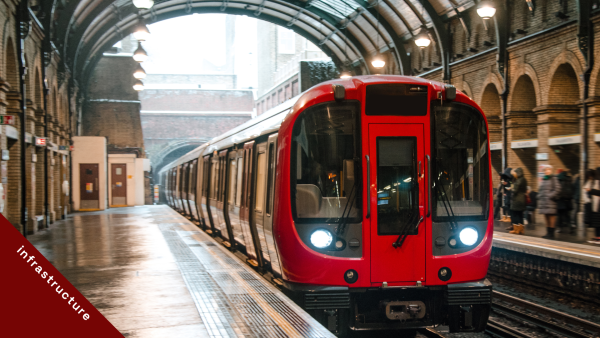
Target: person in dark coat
(506, 183)
(548, 193)
(498, 200)
(594, 194)
(576, 201)
(586, 200)
(531, 205)
(518, 201)
(564, 204)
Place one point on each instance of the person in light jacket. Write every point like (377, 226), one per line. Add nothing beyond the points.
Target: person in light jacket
(518, 202)
(593, 192)
(548, 193)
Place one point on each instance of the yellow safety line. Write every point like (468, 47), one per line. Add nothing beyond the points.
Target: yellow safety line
(119, 206)
(88, 210)
(553, 246)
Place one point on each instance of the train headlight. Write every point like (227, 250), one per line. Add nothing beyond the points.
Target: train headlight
(468, 236)
(321, 238)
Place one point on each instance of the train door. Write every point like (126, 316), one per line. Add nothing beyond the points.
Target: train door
(225, 226)
(249, 231)
(213, 191)
(174, 188)
(269, 200)
(258, 207)
(206, 191)
(184, 188)
(234, 195)
(88, 186)
(192, 189)
(199, 189)
(396, 208)
(178, 188)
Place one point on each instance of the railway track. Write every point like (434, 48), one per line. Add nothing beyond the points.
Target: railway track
(542, 317)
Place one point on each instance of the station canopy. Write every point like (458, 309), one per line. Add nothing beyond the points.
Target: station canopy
(349, 31)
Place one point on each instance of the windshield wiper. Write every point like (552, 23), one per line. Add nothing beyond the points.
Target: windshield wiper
(345, 217)
(444, 197)
(402, 237)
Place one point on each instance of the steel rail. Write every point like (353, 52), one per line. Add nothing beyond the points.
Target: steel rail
(582, 327)
(497, 329)
(430, 333)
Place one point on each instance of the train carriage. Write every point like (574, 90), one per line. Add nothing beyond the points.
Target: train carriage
(367, 199)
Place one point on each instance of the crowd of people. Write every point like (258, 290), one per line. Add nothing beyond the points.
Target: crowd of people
(558, 199)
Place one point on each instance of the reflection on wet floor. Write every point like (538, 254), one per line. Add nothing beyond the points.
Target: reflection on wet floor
(153, 274)
(539, 229)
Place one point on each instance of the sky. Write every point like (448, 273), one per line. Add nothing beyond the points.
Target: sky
(182, 45)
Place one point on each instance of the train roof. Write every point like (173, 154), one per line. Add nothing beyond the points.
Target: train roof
(270, 121)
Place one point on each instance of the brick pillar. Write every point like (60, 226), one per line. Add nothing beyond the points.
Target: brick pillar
(13, 212)
(594, 127)
(521, 125)
(4, 88)
(557, 120)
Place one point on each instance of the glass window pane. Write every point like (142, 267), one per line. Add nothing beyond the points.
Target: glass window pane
(240, 171)
(324, 143)
(270, 176)
(461, 165)
(260, 181)
(397, 188)
(232, 175)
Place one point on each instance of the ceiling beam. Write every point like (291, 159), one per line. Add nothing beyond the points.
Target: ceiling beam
(443, 38)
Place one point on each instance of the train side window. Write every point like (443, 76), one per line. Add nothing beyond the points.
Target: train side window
(213, 181)
(240, 172)
(232, 176)
(397, 189)
(270, 177)
(260, 181)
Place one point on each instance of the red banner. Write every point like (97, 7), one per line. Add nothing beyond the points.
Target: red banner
(37, 301)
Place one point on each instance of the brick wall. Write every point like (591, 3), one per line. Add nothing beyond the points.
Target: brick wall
(196, 100)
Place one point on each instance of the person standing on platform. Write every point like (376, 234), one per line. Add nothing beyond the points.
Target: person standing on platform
(594, 194)
(498, 201)
(564, 204)
(576, 201)
(548, 193)
(518, 201)
(506, 183)
(587, 201)
(531, 206)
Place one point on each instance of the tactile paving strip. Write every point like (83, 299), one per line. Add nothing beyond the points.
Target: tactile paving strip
(233, 300)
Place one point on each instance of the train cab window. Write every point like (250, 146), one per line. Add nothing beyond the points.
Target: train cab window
(325, 141)
(461, 164)
(397, 189)
(239, 186)
(260, 181)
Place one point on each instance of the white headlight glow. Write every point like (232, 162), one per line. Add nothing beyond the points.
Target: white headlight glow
(468, 236)
(321, 238)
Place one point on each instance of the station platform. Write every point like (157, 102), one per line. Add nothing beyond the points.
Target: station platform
(152, 273)
(565, 247)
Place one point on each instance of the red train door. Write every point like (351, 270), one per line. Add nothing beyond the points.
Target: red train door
(396, 197)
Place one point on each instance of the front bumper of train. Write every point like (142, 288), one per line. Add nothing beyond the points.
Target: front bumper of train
(464, 307)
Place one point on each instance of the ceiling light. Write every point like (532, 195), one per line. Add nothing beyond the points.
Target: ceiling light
(422, 39)
(345, 75)
(140, 54)
(378, 61)
(486, 9)
(143, 4)
(139, 73)
(138, 86)
(141, 32)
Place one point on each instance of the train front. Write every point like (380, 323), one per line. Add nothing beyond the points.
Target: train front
(383, 217)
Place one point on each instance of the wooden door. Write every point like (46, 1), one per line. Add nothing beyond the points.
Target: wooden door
(118, 172)
(88, 186)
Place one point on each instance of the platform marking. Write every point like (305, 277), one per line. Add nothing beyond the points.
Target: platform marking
(549, 247)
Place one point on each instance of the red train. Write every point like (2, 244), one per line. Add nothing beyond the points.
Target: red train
(367, 199)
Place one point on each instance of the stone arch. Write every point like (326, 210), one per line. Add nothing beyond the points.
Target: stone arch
(466, 89)
(172, 150)
(525, 69)
(522, 126)
(491, 78)
(490, 101)
(11, 68)
(561, 65)
(564, 86)
(561, 114)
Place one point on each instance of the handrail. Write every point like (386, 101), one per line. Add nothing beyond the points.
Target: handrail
(428, 185)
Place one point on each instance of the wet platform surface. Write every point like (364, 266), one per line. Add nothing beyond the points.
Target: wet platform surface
(152, 273)
(565, 247)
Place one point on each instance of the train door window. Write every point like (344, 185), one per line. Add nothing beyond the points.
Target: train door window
(270, 173)
(260, 181)
(240, 172)
(397, 189)
(213, 180)
(232, 182)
